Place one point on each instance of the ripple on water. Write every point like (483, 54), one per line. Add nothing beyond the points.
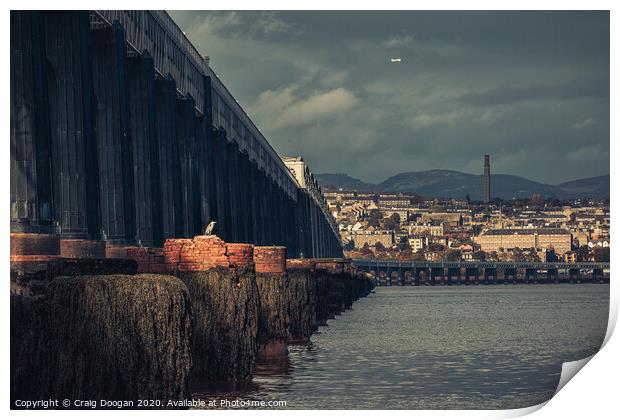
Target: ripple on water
(440, 347)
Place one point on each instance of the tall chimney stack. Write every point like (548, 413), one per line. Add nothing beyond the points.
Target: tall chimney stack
(487, 179)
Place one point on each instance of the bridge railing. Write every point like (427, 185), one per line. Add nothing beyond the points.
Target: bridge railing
(173, 53)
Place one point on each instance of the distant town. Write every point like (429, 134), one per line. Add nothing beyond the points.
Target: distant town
(405, 226)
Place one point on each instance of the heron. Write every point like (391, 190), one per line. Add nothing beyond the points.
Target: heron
(210, 227)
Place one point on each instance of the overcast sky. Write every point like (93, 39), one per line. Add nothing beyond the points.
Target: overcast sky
(529, 88)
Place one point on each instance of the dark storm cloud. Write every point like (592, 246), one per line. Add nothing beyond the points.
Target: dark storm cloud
(530, 88)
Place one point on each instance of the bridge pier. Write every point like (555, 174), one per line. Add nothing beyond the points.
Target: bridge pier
(490, 275)
(245, 198)
(531, 275)
(415, 277)
(112, 130)
(253, 201)
(141, 77)
(221, 175)
(552, 275)
(453, 276)
(434, 274)
(172, 225)
(574, 275)
(598, 275)
(73, 146)
(510, 275)
(232, 158)
(33, 233)
(408, 278)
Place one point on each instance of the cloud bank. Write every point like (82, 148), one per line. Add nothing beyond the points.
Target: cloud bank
(529, 88)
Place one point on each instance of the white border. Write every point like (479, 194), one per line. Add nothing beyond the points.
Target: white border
(593, 394)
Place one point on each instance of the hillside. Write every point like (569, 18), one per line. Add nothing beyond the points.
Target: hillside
(446, 183)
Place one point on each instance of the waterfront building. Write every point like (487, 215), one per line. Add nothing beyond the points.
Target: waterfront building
(495, 239)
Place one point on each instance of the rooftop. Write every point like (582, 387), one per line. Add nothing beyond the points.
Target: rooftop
(538, 231)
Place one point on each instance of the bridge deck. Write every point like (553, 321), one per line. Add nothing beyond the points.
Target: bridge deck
(393, 264)
(156, 33)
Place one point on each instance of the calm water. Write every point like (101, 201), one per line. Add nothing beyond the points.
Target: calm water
(440, 348)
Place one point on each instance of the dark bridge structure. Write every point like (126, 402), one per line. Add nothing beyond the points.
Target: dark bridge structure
(416, 273)
(122, 135)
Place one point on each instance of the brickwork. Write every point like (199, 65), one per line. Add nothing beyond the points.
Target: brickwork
(306, 263)
(205, 252)
(33, 258)
(116, 251)
(336, 265)
(82, 248)
(240, 255)
(150, 260)
(34, 244)
(270, 259)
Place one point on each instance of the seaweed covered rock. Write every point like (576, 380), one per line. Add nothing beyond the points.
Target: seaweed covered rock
(363, 285)
(82, 267)
(323, 310)
(225, 324)
(29, 278)
(273, 315)
(27, 339)
(115, 337)
(302, 291)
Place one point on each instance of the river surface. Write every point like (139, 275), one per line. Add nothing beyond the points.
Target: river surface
(482, 347)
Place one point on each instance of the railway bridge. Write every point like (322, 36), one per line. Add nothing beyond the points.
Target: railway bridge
(122, 135)
(393, 272)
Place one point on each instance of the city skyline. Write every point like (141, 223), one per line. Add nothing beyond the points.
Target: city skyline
(531, 88)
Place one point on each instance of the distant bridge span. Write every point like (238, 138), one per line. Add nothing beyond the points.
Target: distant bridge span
(391, 272)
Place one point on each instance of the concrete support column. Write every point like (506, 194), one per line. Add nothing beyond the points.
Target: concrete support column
(221, 184)
(202, 216)
(246, 197)
(116, 177)
(253, 202)
(271, 212)
(315, 229)
(280, 224)
(188, 155)
(141, 78)
(293, 236)
(33, 231)
(212, 176)
(205, 159)
(169, 164)
(74, 149)
(310, 226)
(263, 230)
(232, 158)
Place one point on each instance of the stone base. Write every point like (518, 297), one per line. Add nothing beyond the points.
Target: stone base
(35, 244)
(276, 349)
(301, 263)
(150, 260)
(205, 252)
(240, 255)
(270, 259)
(82, 248)
(116, 251)
(336, 265)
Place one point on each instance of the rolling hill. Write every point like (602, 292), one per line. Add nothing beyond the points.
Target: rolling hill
(446, 183)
